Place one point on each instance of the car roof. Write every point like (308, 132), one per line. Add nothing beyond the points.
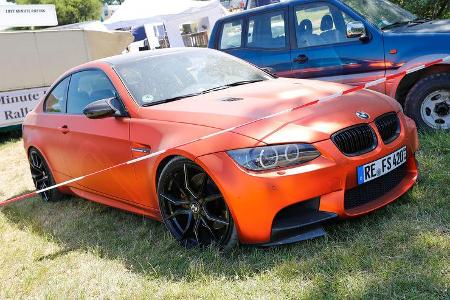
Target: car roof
(129, 57)
(259, 9)
(265, 7)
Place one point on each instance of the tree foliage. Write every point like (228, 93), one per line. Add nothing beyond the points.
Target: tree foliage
(72, 11)
(434, 9)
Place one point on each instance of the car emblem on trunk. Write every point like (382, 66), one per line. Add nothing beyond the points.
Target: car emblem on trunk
(362, 115)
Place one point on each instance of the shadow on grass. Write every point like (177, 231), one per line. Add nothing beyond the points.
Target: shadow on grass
(8, 136)
(398, 250)
(145, 246)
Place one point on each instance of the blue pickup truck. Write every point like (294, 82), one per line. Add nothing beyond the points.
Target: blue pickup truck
(347, 41)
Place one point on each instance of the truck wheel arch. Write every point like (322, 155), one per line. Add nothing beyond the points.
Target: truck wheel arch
(408, 81)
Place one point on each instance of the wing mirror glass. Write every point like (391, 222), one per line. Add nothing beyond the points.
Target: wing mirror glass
(356, 29)
(103, 108)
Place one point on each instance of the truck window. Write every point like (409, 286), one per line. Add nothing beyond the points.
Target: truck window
(267, 31)
(320, 24)
(231, 35)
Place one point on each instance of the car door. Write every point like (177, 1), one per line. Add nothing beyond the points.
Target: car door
(96, 144)
(321, 48)
(260, 38)
(52, 131)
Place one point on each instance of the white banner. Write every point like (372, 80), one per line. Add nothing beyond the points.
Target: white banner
(15, 105)
(28, 15)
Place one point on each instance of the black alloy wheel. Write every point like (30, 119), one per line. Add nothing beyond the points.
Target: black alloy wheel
(192, 207)
(42, 176)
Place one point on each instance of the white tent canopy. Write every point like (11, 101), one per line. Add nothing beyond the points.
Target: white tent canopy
(88, 25)
(172, 13)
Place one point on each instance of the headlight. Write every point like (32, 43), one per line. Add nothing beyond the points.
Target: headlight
(272, 157)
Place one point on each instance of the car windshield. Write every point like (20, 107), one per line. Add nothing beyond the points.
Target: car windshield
(169, 76)
(381, 13)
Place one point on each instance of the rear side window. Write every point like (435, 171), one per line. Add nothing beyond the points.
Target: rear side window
(231, 35)
(56, 100)
(87, 87)
(267, 31)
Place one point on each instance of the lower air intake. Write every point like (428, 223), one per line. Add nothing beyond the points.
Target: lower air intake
(372, 190)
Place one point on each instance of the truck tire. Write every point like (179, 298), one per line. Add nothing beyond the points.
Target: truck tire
(428, 102)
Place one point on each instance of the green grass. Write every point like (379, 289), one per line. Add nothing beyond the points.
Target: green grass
(79, 249)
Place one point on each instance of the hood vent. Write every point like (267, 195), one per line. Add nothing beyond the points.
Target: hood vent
(231, 99)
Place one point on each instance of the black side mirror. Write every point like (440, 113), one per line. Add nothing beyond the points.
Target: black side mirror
(102, 109)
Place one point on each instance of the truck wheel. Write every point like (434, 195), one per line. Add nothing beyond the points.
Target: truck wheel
(428, 102)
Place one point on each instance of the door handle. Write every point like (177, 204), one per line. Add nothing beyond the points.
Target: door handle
(141, 150)
(64, 129)
(138, 149)
(301, 59)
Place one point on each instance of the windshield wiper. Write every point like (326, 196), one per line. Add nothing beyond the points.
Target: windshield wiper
(395, 24)
(410, 23)
(202, 92)
(222, 87)
(418, 21)
(244, 82)
(171, 99)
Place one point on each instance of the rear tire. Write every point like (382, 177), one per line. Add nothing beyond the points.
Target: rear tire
(43, 177)
(192, 207)
(428, 102)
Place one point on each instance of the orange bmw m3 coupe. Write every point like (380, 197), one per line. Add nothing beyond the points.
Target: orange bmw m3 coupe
(271, 182)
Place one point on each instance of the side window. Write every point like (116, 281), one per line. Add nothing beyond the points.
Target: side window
(56, 100)
(267, 31)
(87, 87)
(320, 24)
(231, 35)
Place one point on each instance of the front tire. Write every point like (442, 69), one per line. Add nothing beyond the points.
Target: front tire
(192, 207)
(42, 176)
(428, 102)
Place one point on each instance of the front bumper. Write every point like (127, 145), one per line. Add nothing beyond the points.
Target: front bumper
(298, 222)
(256, 199)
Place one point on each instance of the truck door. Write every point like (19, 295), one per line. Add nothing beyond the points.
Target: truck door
(321, 48)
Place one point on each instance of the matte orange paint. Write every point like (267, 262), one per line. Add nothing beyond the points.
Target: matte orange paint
(253, 198)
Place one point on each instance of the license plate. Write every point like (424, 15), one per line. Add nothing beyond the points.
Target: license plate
(381, 166)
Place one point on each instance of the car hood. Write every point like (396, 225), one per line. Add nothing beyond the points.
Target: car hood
(437, 26)
(233, 106)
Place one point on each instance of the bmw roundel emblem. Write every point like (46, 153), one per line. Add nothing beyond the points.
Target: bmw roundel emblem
(362, 115)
